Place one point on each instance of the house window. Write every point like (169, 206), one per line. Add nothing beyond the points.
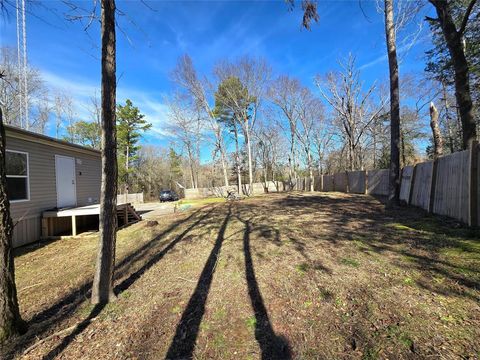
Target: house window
(17, 175)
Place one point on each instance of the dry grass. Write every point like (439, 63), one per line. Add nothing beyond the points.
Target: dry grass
(278, 276)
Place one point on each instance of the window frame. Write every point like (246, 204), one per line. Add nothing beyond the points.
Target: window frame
(21, 176)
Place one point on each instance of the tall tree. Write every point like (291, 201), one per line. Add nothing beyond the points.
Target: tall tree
(390, 34)
(102, 291)
(10, 321)
(354, 108)
(322, 139)
(63, 110)
(232, 105)
(186, 77)
(453, 31)
(437, 136)
(130, 124)
(284, 93)
(186, 125)
(270, 148)
(245, 85)
(11, 92)
(175, 168)
(310, 114)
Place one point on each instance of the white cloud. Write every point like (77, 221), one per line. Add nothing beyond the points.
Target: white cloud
(76, 86)
(82, 90)
(402, 52)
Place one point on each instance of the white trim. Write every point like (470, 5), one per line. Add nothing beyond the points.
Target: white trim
(74, 176)
(21, 176)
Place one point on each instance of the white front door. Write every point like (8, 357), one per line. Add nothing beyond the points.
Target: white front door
(66, 188)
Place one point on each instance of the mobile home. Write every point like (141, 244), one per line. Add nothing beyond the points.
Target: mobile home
(44, 173)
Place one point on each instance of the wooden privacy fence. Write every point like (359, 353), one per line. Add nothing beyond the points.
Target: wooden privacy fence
(447, 186)
(130, 198)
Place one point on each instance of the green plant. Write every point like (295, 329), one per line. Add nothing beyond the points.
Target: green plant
(251, 322)
(350, 262)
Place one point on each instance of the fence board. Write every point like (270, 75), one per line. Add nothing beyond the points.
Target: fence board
(356, 181)
(378, 182)
(317, 185)
(340, 180)
(407, 174)
(451, 186)
(130, 198)
(422, 185)
(328, 183)
(275, 186)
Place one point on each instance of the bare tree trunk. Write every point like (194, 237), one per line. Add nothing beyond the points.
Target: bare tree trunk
(237, 160)
(351, 152)
(451, 144)
(192, 179)
(102, 291)
(250, 166)
(291, 160)
(191, 161)
(224, 167)
(10, 321)
(454, 40)
(437, 136)
(223, 157)
(310, 169)
(394, 188)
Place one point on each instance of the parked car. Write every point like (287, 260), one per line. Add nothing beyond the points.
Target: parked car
(168, 195)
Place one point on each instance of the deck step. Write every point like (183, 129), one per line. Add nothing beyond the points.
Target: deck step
(127, 214)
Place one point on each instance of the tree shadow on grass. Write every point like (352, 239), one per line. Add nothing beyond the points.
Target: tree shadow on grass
(418, 240)
(77, 331)
(183, 342)
(124, 285)
(272, 346)
(65, 307)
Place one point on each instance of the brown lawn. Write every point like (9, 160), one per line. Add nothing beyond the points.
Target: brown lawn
(283, 276)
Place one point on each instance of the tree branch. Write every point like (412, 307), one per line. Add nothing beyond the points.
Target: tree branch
(465, 18)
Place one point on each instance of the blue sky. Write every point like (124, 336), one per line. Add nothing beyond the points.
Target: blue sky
(150, 41)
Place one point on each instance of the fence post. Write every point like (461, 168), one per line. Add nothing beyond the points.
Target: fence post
(473, 185)
(432, 186)
(401, 181)
(347, 185)
(366, 182)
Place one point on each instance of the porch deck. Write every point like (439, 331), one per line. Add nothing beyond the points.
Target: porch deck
(54, 222)
(76, 211)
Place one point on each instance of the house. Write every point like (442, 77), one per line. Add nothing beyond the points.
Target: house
(44, 173)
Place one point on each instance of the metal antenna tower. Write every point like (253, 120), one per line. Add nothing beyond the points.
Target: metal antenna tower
(22, 64)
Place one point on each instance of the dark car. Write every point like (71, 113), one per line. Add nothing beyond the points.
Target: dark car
(168, 195)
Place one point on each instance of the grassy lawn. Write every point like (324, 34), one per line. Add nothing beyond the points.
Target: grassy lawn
(300, 276)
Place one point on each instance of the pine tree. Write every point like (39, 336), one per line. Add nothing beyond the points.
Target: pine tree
(130, 124)
(102, 289)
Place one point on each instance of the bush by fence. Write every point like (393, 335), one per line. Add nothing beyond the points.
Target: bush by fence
(447, 186)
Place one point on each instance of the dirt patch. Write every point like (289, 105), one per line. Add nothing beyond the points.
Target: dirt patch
(310, 276)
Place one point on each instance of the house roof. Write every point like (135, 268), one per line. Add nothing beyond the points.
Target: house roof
(15, 132)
